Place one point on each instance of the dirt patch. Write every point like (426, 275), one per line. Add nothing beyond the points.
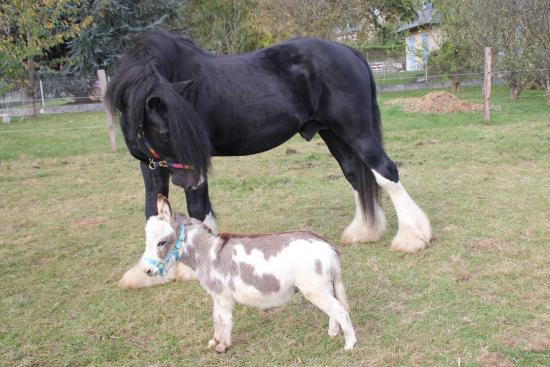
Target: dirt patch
(493, 244)
(87, 223)
(437, 102)
(493, 359)
(531, 337)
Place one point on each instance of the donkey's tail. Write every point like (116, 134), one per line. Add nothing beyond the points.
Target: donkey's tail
(339, 290)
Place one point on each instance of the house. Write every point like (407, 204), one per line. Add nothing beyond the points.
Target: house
(421, 36)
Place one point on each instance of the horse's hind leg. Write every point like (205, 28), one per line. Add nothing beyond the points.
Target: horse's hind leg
(366, 226)
(414, 231)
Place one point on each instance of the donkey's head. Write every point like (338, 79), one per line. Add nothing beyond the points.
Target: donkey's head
(162, 246)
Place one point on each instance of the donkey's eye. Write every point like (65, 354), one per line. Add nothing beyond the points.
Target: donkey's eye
(161, 243)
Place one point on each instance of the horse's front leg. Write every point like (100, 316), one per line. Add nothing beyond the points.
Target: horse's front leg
(156, 182)
(199, 206)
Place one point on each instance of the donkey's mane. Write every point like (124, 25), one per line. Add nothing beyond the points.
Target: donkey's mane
(154, 60)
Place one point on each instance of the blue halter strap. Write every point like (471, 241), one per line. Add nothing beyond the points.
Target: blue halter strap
(173, 253)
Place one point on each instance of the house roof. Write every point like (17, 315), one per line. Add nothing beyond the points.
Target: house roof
(425, 17)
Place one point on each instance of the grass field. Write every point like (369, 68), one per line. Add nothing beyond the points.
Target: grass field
(72, 223)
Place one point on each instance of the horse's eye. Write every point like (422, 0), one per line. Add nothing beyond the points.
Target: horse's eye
(161, 243)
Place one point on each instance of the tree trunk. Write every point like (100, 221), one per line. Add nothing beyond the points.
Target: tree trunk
(456, 86)
(514, 93)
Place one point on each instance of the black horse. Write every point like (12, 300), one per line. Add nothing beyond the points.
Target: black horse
(181, 105)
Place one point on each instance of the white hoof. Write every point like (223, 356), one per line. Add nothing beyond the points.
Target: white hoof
(350, 343)
(409, 240)
(212, 343)
(415, 231)
(363, 229)
(360, 233)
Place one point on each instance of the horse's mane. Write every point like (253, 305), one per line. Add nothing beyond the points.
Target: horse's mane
(152, 62)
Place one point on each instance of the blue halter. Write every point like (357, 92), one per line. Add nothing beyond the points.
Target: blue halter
(173, 253)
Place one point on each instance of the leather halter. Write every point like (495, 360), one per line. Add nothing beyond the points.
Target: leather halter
(157, 160)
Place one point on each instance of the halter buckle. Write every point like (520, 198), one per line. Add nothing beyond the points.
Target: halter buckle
(163, 164)
(152, 164)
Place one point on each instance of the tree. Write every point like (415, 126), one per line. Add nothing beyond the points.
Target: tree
(225, 26)
(113, 23)
(452, 60)
(535, 18)
(456, 54)
(498, 24)
(328, 19)
(28, 29)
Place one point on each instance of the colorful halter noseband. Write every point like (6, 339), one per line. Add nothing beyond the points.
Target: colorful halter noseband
(174, 253)
(157, 160)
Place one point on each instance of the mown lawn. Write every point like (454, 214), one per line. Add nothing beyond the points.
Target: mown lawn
(72, 223)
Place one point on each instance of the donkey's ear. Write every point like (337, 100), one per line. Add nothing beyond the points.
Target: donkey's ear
(182, 87)
(163, 208)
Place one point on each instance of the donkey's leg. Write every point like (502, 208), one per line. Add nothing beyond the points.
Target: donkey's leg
(365, 227)
(156, 182)
(322, 298)
(333, 326)
(414, 231)
(199, 206)
(223, 313)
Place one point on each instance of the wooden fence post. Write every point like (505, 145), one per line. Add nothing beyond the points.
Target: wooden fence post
(110, 118)
(487, 86)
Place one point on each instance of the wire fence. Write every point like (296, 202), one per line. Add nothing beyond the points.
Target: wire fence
(70, 94)
(48, 94)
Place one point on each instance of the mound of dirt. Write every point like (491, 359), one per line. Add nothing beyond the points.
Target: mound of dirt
(436, 102)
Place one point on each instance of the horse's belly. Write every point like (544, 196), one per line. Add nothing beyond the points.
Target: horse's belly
(248, 135)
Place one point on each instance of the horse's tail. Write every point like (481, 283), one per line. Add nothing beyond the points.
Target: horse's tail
(366, 186)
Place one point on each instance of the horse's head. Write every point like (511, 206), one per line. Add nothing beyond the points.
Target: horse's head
(147, 89)
(173, 130)
(161, 245)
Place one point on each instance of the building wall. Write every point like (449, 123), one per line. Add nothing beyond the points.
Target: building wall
(415, 60)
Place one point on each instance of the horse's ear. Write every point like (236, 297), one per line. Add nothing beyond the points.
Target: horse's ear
(182, 87)
(163, 208)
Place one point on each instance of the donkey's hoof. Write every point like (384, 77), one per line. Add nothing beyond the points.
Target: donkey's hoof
(350, 344)
(212, 343)
(410, 241)
(221, 348)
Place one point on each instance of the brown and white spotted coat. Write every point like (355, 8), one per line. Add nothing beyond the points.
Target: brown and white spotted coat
(257, 270)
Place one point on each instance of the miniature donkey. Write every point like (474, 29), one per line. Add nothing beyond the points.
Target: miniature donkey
(260, 270)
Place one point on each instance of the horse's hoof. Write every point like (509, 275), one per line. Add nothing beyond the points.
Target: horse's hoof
(410, 241)
(360, 230)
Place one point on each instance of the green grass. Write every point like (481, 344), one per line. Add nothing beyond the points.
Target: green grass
(72, 223)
